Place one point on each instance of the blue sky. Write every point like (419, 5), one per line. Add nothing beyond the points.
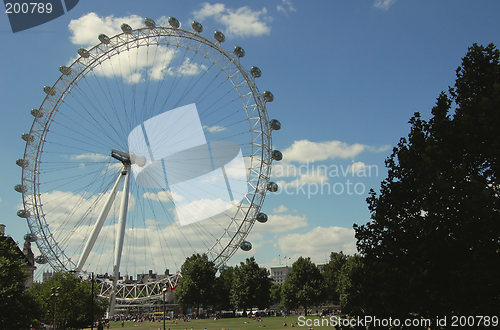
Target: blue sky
(346, 76)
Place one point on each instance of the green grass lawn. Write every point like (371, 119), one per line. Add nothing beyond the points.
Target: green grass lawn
(210, 324)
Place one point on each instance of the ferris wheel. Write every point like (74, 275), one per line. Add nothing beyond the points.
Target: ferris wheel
(151, 146)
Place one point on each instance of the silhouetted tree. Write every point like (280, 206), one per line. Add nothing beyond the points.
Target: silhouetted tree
(433, 245)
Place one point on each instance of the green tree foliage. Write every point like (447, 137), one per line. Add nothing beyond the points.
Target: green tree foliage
(331, 273)
(74, 301)
(18, 308)
(304, 285)
(349, 285)
(275, 294)
(433, 245)
(223, 285)
(196, 286)
(251, 286)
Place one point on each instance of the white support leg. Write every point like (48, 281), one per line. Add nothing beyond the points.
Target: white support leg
(122, 220)
(98, 225)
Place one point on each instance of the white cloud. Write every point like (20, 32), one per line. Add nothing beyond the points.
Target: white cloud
(285, 169)
(214, 129)
(285, 7)
(383, 4)
(162, 196)
(280, 223)
(149, 243)
(258, 243)
(137, 63)
(242, 22)
(280, 209)
(133, 65)
(155, 246)
(95, 157)
(318, 242)
(86, 29)
(316, 176)
(357, 167)
(379, 148)
(304, 151)
(303, 173)
(190, 69)
(194, 211)
(62, 206)
(1, 199)
(209, 10)
(113, 167)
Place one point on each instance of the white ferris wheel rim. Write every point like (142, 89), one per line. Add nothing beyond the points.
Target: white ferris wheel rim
(261, 142)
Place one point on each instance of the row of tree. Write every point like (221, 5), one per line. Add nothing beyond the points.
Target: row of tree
(241, 287)
(66, 297)
(247, 286)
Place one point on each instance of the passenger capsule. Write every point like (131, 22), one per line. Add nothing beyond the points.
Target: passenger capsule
(20, 188)
(219, 36)
(197, 27)
(104, 38)
(268, 96)
(41, 260)
(37, 113)
(150, 23)
(246, 246)
(23, 214)
(261, 217)
(49, 90)
(23, 163)
(277, 155)
(27, 137)
(255, 72)
(30, 238)
(223, 268)
(126, 28)
(83, 53)
(65, 70)
(275, 124)
(174, 22)
(239, 51)
(272, 186)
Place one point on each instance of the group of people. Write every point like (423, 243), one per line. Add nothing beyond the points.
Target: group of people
(105, 323)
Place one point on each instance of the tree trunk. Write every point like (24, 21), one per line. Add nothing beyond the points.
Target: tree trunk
(305, 310)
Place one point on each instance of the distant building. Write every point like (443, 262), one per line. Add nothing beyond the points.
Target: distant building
(279, 274)
(151, 277)
(321, 266)
(26, 254)
(47, 276)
